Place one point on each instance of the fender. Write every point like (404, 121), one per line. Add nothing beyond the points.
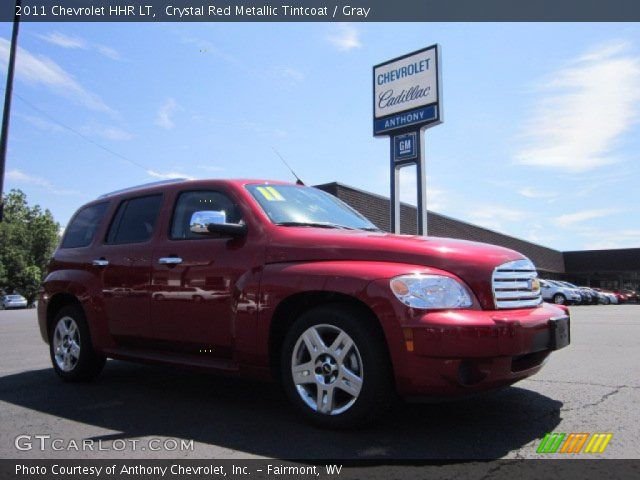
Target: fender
(355, 278)
(85, 287)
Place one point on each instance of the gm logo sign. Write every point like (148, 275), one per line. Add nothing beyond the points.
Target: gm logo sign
(405, 147)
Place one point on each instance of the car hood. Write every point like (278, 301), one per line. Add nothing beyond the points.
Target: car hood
(473, 262)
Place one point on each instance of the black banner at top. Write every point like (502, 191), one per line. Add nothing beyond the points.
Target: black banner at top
(321, 11)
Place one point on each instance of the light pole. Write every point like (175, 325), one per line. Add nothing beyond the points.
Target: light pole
(4, 133)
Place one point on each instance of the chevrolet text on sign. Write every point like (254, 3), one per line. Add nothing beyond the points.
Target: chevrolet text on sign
(406, 91)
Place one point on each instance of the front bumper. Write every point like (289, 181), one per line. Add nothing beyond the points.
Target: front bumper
(455, 352)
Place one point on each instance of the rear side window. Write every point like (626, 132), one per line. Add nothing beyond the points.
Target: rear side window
(135, 220)
(83, 226)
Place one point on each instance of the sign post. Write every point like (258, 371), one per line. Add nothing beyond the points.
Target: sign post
(407, 100)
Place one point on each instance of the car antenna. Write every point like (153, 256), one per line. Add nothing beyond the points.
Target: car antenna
(298, 181)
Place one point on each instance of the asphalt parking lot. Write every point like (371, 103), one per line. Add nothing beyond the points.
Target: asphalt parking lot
(591, 386)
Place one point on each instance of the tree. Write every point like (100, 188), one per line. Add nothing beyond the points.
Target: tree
(28, 237)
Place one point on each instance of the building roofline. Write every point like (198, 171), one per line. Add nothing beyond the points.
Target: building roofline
(600, 250)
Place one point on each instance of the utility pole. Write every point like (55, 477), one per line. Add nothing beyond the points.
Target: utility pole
(4, 133)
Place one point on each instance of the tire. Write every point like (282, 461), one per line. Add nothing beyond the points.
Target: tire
(351, 368)
(559, 299)
(70, 333)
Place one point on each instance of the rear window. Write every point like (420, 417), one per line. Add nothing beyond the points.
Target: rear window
(135, 220)
(83, 226)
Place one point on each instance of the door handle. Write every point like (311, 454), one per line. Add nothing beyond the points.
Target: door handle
(169, 260)
(100, 262)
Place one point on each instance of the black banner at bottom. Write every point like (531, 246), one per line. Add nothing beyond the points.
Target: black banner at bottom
(324, 469)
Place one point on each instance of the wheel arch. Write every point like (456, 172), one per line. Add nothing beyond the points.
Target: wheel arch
(58, 302)
(290, 308)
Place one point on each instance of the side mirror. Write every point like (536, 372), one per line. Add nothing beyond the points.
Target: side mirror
(228, 229)
(214, 221)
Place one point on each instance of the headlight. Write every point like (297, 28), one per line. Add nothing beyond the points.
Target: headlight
(430, 291)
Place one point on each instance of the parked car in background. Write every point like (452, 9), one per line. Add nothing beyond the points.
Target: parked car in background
(287, 282)
(610, 298)
(601, 297)
(632, 296)
(13, 301)
(559, 294)
(585, 297)
(594, 297)
(621, 296)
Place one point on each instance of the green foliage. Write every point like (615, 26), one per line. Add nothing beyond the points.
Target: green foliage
(28, 237)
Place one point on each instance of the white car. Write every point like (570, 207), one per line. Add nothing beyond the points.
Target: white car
(558, 293)
(13, 301)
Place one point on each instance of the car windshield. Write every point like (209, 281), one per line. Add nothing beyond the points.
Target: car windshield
(14, 297)
(300, 206)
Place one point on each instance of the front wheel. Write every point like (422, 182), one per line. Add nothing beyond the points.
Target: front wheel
(335, 367)
(70, 347)
(559, 299)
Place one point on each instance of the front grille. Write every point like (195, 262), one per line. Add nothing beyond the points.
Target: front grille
(515, 285)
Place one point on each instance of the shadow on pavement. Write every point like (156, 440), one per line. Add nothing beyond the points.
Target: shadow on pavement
(255, 418)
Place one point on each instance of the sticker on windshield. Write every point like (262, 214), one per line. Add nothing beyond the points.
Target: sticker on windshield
(271, 194)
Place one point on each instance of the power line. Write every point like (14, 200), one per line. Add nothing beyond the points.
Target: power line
(81, 135)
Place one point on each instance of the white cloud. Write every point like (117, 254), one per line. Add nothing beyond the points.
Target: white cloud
(494, 216)
(108, 52)
(41, 123)
(21, 178)
(625, 238)
(583, 111)
(168, 175)
(66, 41)
(531, 192)
(41, 70)
(570, 219)
(344, 36)
(165, 113)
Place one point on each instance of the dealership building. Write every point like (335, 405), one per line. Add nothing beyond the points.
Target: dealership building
(609, 269)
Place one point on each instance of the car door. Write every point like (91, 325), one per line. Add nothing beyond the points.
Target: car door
(125, 262)
(194, 277)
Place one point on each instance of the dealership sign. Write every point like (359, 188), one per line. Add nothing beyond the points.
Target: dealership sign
(406, 92)
(406, 100)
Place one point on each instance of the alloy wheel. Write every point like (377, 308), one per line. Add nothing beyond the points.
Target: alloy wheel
(327, 370)
(66, 344)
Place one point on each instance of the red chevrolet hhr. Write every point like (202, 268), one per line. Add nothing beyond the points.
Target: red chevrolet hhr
(283, 281)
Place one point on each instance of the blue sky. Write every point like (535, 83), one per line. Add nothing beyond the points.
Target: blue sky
(540, 138)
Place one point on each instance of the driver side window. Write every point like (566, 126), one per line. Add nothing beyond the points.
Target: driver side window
(190, 202)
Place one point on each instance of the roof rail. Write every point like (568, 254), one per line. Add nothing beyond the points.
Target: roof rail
(144, 185)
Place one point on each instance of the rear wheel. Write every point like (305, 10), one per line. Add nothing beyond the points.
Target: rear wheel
(70, 347)
(559, 299)
(335, 368)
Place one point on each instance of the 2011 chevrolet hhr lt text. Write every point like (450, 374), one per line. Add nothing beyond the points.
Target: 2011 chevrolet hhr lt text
(270, 279)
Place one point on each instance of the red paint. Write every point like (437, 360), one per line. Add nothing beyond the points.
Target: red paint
(223, 296)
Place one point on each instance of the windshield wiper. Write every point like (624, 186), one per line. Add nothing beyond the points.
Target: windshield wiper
(313, 224)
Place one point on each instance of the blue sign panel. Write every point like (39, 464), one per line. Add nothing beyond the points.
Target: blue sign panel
(419, 116)
(405, 147)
